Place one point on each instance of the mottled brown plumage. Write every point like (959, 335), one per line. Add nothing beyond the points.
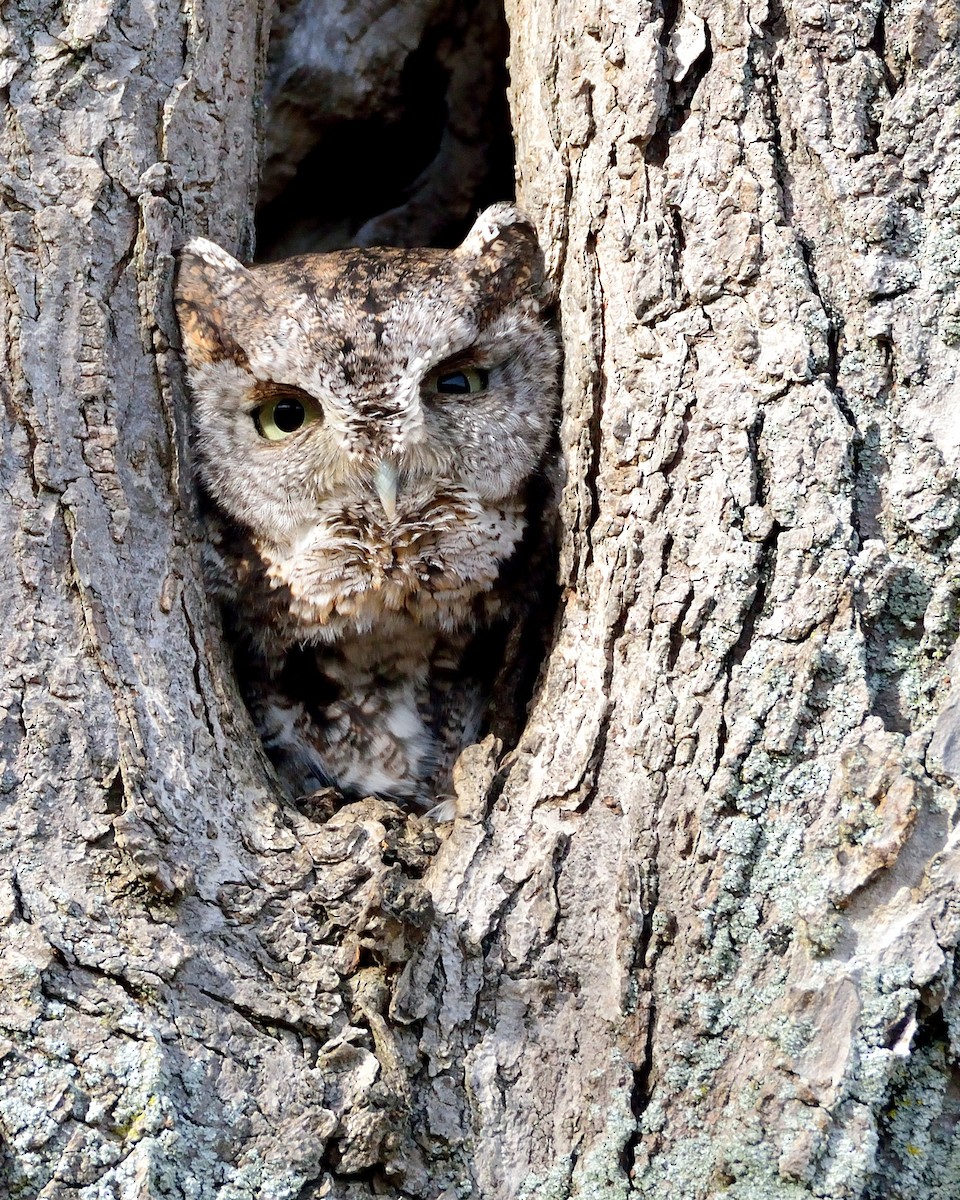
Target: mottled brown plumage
(367, 427)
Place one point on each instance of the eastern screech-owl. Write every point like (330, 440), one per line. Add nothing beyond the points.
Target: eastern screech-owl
(368, 424)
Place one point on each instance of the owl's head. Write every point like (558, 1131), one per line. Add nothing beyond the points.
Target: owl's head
(372, 375)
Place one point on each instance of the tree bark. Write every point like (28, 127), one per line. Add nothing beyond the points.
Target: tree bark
(735, 795)
(695, 934)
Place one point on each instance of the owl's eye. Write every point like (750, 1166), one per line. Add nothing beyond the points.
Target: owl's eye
(285, 414)
(459, 383)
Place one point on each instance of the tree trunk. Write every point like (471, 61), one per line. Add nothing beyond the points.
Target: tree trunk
(695, 934)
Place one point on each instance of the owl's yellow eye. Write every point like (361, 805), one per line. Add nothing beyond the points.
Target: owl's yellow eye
(284, 414)
(458, 383)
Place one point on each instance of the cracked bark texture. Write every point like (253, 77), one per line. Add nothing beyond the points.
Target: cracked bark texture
(718, 899)
(695, 935)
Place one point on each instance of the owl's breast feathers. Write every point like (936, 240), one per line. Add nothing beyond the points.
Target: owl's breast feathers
(353, 570)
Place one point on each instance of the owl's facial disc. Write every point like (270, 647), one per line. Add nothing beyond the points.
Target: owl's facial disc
(387, 381)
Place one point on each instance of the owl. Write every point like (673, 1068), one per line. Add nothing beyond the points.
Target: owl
(369, 426)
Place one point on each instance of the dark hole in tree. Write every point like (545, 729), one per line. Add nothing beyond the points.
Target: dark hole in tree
(372, 143)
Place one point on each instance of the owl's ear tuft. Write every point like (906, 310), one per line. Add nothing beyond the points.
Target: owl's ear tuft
(502, 253)
(214, 292)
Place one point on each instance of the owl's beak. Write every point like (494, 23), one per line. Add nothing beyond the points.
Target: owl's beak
(385, 481)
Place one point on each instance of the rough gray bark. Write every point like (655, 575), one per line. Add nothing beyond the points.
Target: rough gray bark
(735, 829)
(696, 934)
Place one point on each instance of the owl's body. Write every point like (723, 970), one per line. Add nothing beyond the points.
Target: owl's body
(368, 423)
